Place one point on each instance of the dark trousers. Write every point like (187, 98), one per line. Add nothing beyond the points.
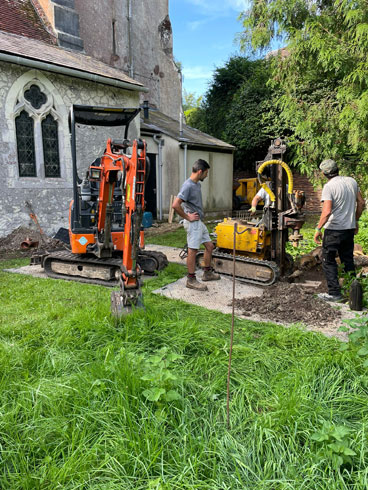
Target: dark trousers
(339, 242)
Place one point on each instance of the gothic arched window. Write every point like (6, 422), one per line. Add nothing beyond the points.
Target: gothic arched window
(37, 132)
(25, 145)
(50, 147)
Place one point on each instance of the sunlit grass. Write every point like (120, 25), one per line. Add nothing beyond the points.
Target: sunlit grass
(73, 416)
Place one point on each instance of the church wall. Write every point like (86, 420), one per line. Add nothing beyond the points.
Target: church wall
(50, 197)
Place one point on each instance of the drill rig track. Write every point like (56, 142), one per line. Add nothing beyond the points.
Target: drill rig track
(247, 270)
(93, 270)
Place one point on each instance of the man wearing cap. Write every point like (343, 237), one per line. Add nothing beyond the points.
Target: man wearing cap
(342, 207)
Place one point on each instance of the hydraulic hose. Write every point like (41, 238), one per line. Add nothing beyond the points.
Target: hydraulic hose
(288, 173)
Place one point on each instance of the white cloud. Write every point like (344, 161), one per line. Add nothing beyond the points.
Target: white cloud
(196, 24)
(197, 73)
(211, 7)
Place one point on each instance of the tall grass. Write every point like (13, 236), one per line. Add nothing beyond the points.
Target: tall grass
(73, 414)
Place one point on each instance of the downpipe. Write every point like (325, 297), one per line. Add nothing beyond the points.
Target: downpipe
(160, 143)
(185, 162)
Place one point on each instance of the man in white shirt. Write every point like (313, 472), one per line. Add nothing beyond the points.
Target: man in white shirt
(342, 207)
(261, 195)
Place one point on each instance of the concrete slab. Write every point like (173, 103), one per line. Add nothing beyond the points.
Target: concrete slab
(219, 294)
(218, 297)
(29, 270)
(172, 253)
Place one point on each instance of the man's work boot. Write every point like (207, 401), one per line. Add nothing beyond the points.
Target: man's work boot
(210, 275)
(192, 283)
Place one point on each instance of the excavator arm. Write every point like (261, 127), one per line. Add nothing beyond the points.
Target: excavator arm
(130, 171)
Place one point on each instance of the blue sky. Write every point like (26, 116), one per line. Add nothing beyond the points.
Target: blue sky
(204, 33)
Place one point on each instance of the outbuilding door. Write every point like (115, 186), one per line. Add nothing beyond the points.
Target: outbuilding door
(151, 187)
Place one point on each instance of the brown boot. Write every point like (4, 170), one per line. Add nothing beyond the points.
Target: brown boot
(210, 276)
(192, 283)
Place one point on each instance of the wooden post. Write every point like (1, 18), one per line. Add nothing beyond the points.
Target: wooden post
(171, 210)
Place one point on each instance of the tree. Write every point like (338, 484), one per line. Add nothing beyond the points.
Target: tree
(192, 110)
(323, 79)
(191, 101)
(241, 109)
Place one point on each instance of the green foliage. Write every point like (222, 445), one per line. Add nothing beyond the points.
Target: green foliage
(74, 416)
(160, 377)
(240, 108)
(334, 444)
(191, 101)
(358, 338)
(362, 236)
(322, 78)
(307, 244)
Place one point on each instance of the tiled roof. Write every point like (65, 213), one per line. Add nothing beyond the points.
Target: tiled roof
(20, 17)
(160, 123)
(39, 51)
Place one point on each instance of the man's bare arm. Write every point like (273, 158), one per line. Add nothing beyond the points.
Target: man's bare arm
(180, 211)
(360, 206)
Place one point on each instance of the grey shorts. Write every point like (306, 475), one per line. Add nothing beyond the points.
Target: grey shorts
(197, 233)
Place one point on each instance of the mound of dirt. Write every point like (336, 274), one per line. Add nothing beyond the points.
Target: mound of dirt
(161, 228)
(290, 303)
(10, 246)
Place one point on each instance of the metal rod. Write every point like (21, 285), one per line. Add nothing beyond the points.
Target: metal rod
(231, 333)
(76, 213)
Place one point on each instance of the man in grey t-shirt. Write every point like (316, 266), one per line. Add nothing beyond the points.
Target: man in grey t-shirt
(188, 205)
(342, 206)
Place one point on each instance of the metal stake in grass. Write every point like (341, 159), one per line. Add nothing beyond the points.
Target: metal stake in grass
(231, 334)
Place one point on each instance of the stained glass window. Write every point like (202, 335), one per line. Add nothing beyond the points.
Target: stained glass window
(25, 145)
(35, 97)
(50, 147)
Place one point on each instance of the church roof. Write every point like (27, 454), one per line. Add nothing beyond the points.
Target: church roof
(158, 122)
(20, 17)
(52, 57)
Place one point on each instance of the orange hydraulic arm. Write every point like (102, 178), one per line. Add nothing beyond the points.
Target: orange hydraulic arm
(130, 171)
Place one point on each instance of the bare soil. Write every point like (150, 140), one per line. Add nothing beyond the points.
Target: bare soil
(161, 228)
(290, 303)
(10, 246)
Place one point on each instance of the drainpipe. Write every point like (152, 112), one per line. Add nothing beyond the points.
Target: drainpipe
(185, 161)
(131, 67)
(157, 138)
(181, 124)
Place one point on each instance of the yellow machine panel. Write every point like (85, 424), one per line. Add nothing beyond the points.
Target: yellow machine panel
(250, 240)
(247, 190)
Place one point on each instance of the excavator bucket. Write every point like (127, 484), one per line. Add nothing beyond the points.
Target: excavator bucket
(123, 304)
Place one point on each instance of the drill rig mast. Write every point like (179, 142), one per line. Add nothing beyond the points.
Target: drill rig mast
(260, 243)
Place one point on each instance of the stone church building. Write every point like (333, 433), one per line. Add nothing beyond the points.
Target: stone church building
(54, 54)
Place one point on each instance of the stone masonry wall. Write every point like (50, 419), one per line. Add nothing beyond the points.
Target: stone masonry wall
(50, 197)
(140, 44)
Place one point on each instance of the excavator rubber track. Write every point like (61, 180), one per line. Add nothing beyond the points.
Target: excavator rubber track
(247, 270)
(93, 270)
(159, 257)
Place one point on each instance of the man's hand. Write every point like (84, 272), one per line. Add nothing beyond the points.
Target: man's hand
(193, 217)
(356, 228)
(317, 237)
(253, 210)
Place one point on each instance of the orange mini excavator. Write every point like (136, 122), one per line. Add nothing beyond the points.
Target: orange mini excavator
(105, 219)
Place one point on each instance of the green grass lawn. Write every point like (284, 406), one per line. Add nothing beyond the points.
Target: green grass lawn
(177, 238)
(77, 407)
